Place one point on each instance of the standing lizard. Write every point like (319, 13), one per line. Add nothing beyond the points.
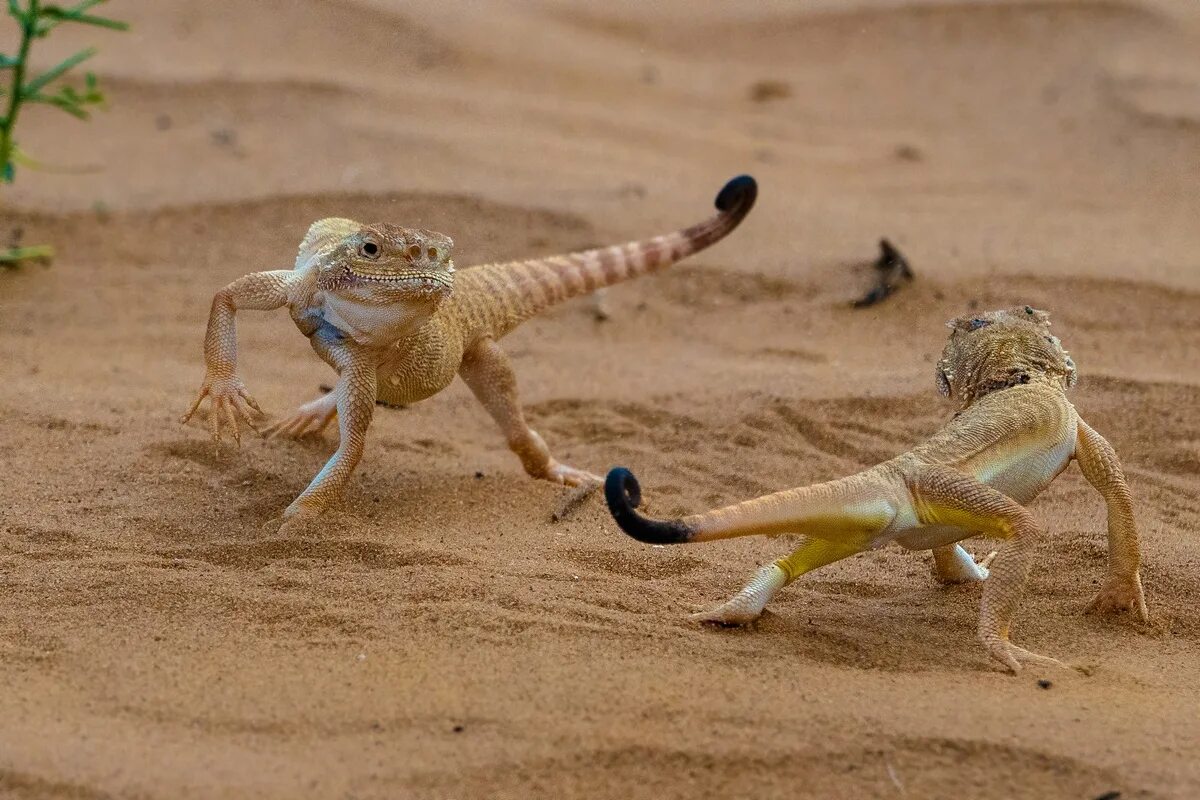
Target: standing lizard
(382, 305)
(1015, 431)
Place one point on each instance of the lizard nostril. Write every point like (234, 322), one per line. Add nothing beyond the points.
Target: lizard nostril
(414, 250)
(433, 254)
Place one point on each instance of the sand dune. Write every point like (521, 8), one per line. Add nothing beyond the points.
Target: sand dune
(440, 636)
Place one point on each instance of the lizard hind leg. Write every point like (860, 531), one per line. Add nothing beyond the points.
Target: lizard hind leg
(748, 604)
(487, 371)
(312, 417)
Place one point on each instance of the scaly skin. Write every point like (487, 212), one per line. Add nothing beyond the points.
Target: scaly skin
(382, 305)
(1014, 433)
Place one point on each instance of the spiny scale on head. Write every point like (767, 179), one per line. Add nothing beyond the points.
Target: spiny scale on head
(999, 349)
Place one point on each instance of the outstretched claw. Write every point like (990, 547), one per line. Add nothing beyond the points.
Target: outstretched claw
(569, 476)
(311, 417)
(1012, 656)
(748, 604)
(230, 400)
(297, 519)
(1119, 595)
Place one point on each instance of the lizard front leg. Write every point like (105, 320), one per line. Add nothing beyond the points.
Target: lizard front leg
(259, 291)
(354, 396)
(486, 369)
(945, 496)
(1102, 468)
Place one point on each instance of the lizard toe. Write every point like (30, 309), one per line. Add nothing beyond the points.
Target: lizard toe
(1120, 596)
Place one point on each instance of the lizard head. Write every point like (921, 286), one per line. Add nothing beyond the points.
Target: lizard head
(382, 263)
(995, 350)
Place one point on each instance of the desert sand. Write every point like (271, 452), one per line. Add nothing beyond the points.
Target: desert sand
(440, 636)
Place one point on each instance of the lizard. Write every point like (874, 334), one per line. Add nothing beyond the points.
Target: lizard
(1014, 432)
(383, 306)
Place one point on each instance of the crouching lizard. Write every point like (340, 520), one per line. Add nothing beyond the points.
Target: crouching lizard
(384, 307)
(1014, 433)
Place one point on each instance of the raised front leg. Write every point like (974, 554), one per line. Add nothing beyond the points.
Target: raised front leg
(355, 398)
(486, 369)
(1102, 468)
(259, 291)
(944, 496)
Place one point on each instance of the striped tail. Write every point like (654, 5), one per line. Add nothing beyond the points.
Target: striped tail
(518, 290)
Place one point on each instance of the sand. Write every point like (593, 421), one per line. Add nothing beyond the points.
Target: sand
(440, 636)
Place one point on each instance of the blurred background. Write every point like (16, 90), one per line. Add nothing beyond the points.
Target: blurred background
(987, 135)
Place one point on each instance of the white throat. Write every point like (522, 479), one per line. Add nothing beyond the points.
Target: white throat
(371, 324)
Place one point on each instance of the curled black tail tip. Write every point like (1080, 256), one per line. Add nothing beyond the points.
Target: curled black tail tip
(739, 192)
(624, 495)
(621, 491)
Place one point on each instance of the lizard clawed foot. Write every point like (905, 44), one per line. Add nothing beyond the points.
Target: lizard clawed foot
(1120, 595)
(309, 418)
(295, 520)
(569, 476)
(1012, 656)
(230, 401)
(747, 605)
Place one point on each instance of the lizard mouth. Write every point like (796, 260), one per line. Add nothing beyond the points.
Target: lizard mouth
(423, 280)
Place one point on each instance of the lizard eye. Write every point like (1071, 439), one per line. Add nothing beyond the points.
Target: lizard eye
(369, 250)
(977, 323)
(1029, 310)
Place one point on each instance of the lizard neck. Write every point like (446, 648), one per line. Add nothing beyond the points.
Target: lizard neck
(1000, 384)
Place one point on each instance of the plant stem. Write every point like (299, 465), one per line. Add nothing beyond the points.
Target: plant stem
(28, 25)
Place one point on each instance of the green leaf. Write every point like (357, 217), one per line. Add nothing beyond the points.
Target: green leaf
(84, 6)
(92, 19)
(8, 172)
(56, 72)
(75, 14)
(15, 10)
(7, 61)
(66, 99)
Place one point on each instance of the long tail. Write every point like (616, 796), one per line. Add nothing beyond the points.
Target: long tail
(511, 293)
(846, 507)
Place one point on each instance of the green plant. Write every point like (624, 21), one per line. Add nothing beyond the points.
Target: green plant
(36, 20)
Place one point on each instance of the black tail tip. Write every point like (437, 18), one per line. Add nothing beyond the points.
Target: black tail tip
(622, 491)
(623, 494)
(738, 193)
